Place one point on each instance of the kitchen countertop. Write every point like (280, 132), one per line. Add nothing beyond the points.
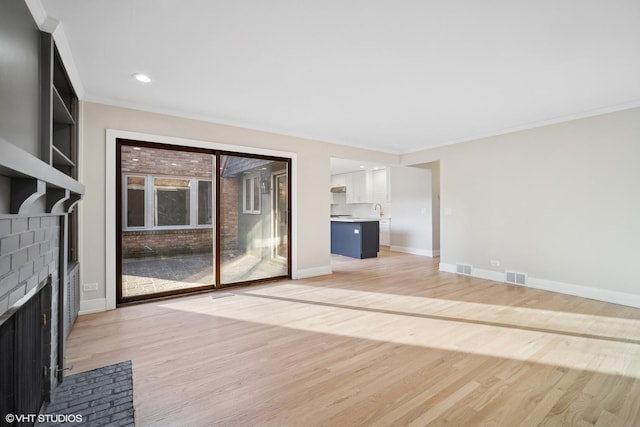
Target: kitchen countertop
(352, 219)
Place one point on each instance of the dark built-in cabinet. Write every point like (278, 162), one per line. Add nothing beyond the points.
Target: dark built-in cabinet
(355, 239)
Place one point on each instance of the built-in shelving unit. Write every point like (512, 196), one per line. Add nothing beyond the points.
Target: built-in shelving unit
(39, 190)
(59, 151)
(60, 112)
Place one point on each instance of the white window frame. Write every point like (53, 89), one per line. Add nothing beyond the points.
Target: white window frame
(149, 203)
(125, 202)
(197, 206)
(252, 209)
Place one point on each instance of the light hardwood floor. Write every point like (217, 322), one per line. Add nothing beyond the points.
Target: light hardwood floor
(387, 341)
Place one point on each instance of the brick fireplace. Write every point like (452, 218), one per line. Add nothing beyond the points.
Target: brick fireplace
(39, 280)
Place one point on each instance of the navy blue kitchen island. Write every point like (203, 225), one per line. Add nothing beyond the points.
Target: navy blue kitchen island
(355, 237)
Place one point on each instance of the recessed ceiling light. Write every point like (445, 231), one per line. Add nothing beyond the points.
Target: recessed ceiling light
(137, 148)
(142, 78)
(361, 166)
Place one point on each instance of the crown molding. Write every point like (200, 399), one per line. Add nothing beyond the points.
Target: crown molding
(56, 29)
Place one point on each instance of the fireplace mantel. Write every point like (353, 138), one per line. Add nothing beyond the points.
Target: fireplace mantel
(31, 178)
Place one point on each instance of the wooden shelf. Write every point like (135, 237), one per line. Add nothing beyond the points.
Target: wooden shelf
(17, 163)
(60, 112)
(59, 158)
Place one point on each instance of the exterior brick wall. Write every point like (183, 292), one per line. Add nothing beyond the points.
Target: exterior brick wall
(156, 161)
(229, 211)
(161, 162)
(153, 243)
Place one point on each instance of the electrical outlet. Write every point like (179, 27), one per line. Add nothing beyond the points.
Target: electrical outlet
(495, 263)
(90, 287)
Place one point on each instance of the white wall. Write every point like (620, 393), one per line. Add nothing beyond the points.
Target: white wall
(411, 223)
(435, 203)
(313, 182)
(560, 203)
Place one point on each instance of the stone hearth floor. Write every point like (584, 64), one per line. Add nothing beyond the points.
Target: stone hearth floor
(101, 397)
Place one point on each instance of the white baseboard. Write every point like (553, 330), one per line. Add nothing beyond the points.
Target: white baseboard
(604, 295)
(414, 251)
(89, 306)
(311, 272)
(447, 268)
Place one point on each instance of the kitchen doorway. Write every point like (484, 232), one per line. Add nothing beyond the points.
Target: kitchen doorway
(192, 219)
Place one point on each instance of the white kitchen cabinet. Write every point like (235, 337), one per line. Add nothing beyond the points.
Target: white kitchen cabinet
(339, 180)
(385, 232)
(380, 181)
(359, 189)
(362, 186)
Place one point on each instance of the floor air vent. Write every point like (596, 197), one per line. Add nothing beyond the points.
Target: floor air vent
(463, 269)
(516, 278)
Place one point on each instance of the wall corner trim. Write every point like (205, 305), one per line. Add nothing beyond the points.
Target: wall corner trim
(598, 294)
(89, 306)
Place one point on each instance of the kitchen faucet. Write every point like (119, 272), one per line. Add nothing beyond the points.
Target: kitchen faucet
(375, 208)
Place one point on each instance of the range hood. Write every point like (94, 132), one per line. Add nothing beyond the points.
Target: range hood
(340, 189)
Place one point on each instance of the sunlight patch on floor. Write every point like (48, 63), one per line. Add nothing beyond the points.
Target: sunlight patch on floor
(540, 336)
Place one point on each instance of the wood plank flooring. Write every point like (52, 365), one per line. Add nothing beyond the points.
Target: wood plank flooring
(386, 341)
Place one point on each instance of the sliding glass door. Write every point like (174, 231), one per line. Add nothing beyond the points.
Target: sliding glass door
(281, 215)
(195, 219)
(166, 240)
(253, 244)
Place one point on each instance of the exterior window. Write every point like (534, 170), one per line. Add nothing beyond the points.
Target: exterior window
(135, 201)
(205, 203)
(171, 201)
(177, 202)
(251, 190)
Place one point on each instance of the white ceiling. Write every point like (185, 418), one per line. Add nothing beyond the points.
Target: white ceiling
(395, 76)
